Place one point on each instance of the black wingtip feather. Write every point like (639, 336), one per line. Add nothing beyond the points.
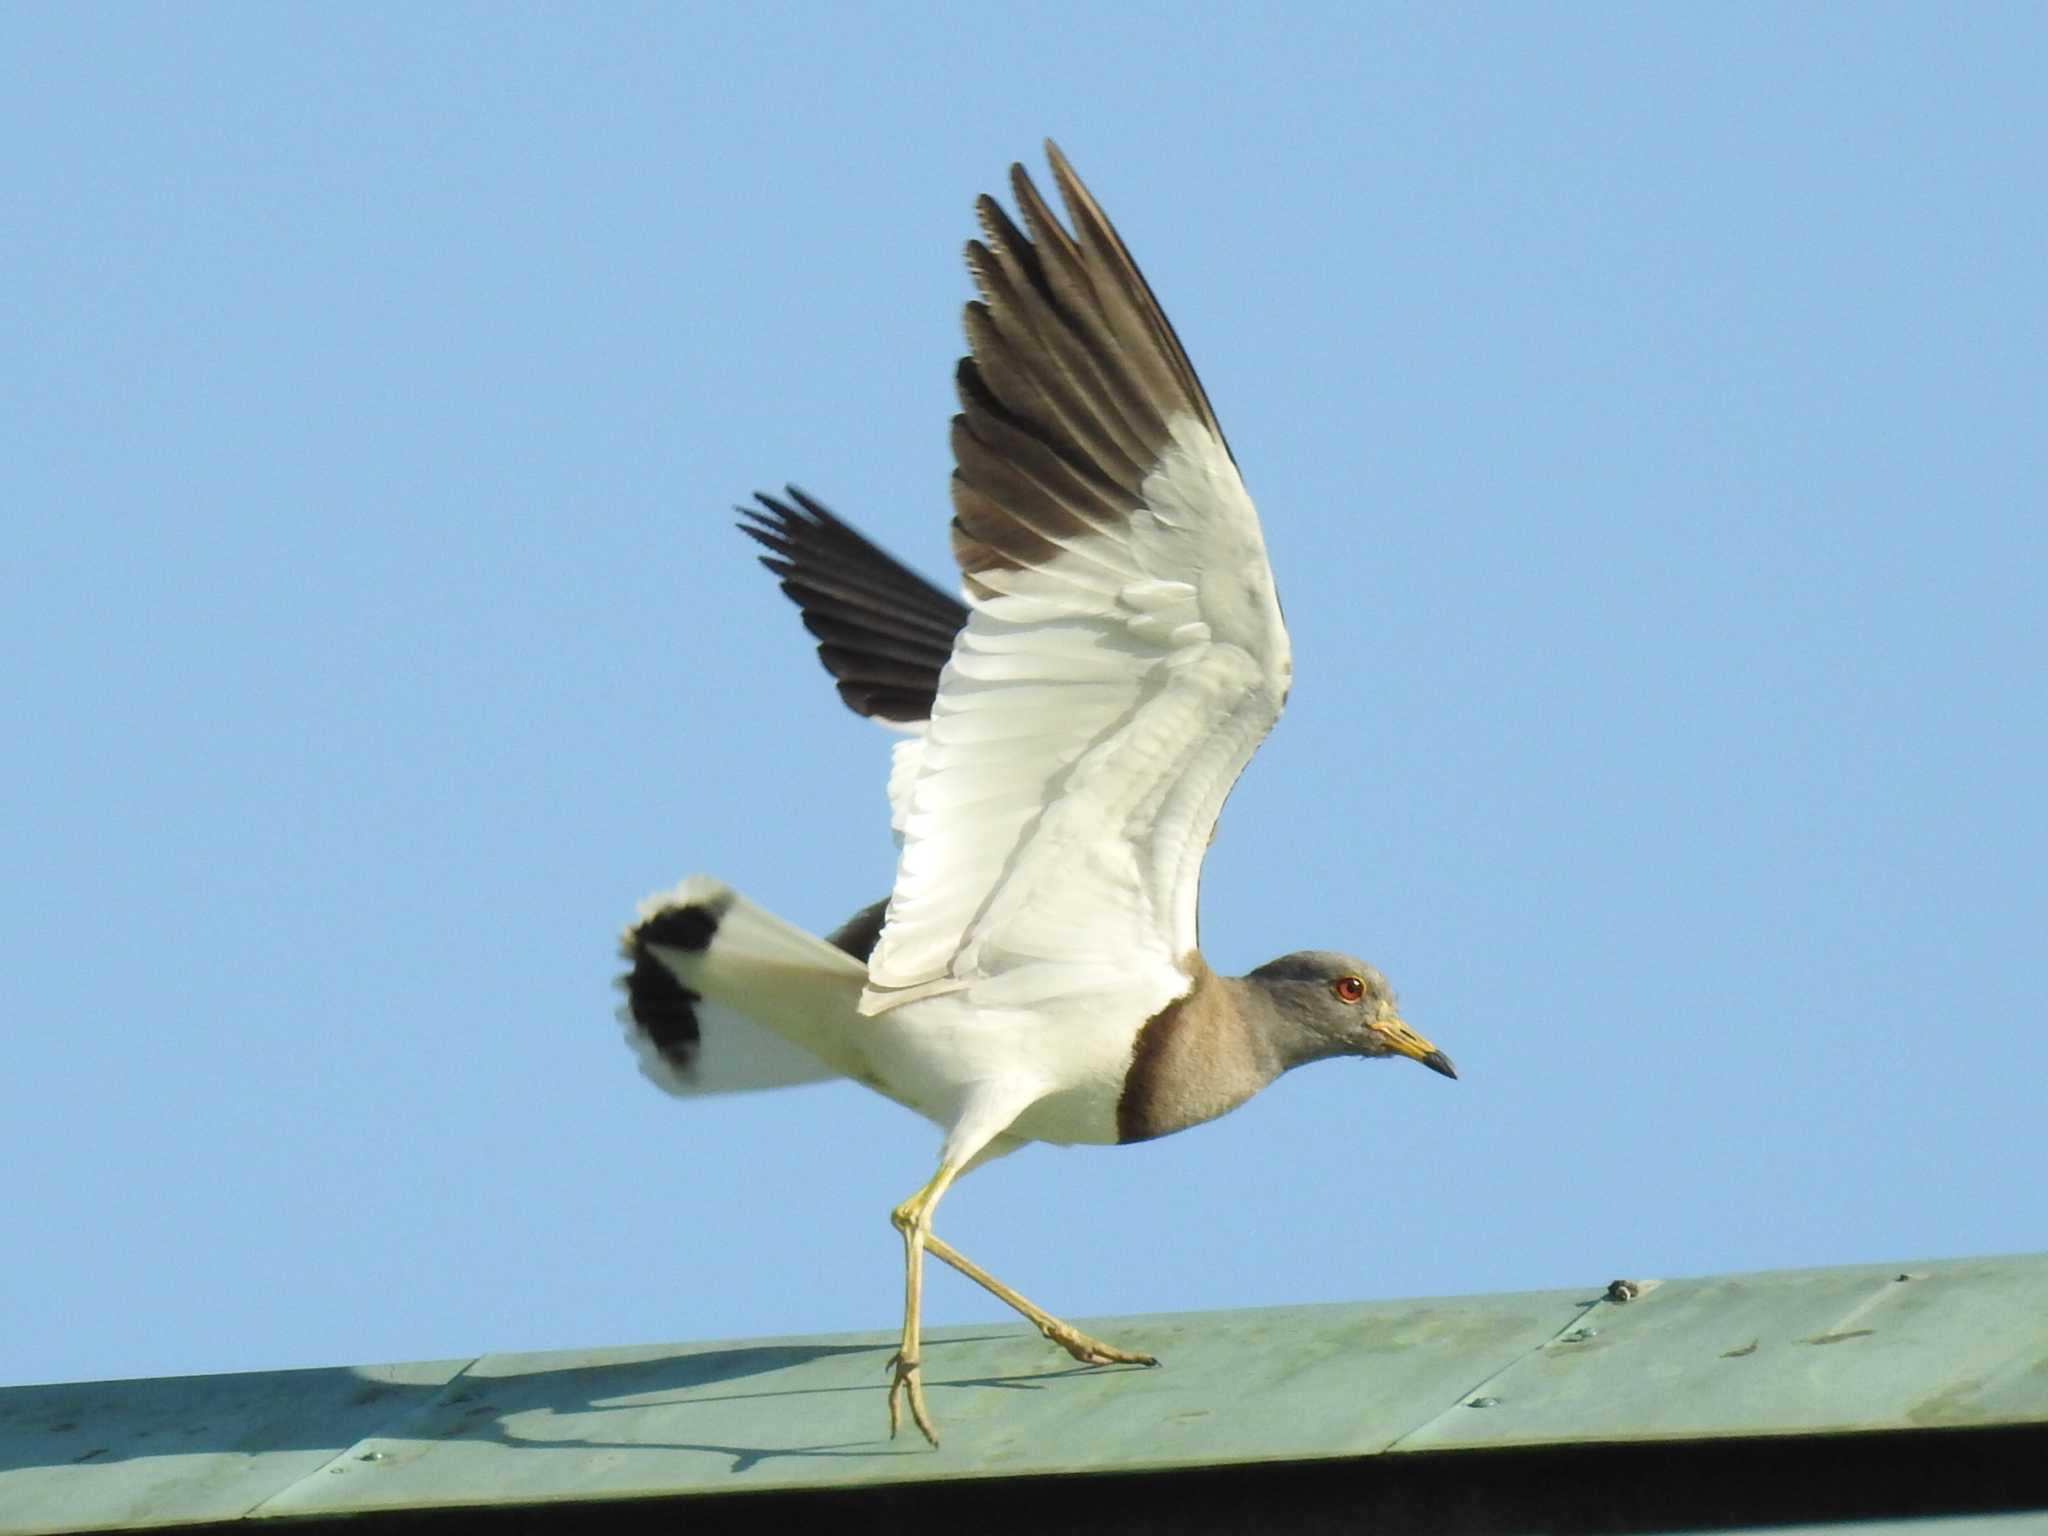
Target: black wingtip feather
(888, 631)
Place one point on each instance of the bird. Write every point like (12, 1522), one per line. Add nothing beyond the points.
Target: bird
(1066, 733)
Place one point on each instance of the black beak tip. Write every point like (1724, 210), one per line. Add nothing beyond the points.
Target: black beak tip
(1437, 1061)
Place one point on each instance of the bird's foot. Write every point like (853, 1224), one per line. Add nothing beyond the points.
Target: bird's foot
(1091, 1351)
(909, 1383)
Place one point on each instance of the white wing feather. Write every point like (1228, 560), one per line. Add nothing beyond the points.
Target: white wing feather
(1097, 710)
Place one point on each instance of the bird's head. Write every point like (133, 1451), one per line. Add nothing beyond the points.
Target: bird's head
(1345, 1008)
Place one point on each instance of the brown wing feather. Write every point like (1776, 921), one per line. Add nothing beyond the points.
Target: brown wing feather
(1073, 375)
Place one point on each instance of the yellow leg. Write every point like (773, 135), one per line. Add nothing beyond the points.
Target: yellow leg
(1076, 1343)
(913, 1218)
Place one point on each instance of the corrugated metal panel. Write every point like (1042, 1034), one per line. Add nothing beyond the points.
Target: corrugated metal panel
(1922, 1346)
(182, 1449)
(1962, 1343)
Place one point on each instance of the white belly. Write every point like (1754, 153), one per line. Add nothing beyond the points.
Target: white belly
(1050, 1073)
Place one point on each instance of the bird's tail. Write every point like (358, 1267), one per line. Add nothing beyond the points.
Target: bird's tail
(724, 997)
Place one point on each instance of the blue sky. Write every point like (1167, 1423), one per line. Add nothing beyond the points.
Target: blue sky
(1646, 409)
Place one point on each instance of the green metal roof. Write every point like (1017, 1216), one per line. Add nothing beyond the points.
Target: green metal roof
(1958, 1344)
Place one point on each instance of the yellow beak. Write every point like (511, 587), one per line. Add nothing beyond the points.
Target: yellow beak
(1408, 1043)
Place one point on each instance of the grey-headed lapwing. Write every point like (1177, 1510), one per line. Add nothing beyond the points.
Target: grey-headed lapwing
(1068, 737)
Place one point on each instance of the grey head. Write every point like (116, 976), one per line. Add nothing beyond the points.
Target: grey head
(1209, 1050)
(1317, 1003)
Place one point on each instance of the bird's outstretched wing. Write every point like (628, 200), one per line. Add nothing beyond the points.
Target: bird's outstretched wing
(1124, 652)
(883, 631)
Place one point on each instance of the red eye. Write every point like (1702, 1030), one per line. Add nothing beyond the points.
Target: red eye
(1349, 989)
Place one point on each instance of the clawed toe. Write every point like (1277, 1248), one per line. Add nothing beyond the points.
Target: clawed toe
(909, 1383)
(1093, 1351)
